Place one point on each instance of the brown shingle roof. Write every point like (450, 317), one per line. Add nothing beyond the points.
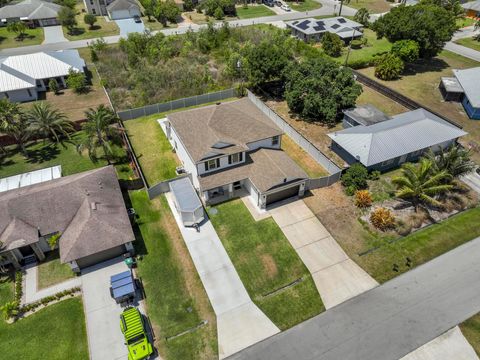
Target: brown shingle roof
(237, 123)
(266, 168)
(86, 208)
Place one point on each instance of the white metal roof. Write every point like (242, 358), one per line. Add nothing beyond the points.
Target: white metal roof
(470, 81)
(30, 178)
(9, 82)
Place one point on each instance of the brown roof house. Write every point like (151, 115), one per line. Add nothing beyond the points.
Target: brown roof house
(85, 210)
(234, 148)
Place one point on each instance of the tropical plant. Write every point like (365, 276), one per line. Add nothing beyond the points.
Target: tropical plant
(362, 16)
(90, 19)
(363, 198)
(332, 44)
(17, 27)
(355, 178)
(388, 66)
(9, 309)
(382, 218)
(99, 132)
(13, 122)
(53, 240)
(421, 185)
(455, 160)
(48, 121)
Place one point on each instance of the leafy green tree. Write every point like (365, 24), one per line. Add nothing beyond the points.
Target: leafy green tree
(66, 17)
(455, 161)
(450, 5)
(68, 3)
(355, 178)
(13, 122)
(77, 81)
(99, 133)
(210, 6)
(48, 122)
(407, 50)
(430, 26)
(17, 27)
(53, 85)
(149, 8)
(332, 44)
(319, 89)
(219, 15)
(388, 66)
(420, 184)
(362, 16)
(167, 11)
(188, 5)
(90, 20)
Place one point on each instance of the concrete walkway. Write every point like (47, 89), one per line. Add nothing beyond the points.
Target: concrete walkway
(463, 50)
(240, 323)
(449, 346)
(337, 277)
(31, 291)
(53, 35)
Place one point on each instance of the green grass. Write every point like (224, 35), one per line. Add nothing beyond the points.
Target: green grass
(174, 295)
(383, 189)
(312, 168)
(8, 39)
(305, 5)
(101, 28)
(266, 262)
(375, 6)
(253, 11)
(56, 332)
(464, 22)
(469, 42)
(6, 288)
(51, 271)
(471, 330)
(422, 246)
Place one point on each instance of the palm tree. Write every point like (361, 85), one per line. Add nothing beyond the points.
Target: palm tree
(455, 161)
(9, 309)
(420, 184)
(14, 123)
(49, 122)
(99, 132)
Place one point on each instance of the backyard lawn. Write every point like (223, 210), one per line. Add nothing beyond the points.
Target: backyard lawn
(305, 5)
(302, 158)
(8, 39)
(471, 330)
(51, 271)
(375, 6)
(469, 42)
(266, 262)
(57, 332)
(253, 11)
(175, 298)
(101, 28)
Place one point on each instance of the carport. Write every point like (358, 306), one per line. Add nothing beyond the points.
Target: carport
(187, 202)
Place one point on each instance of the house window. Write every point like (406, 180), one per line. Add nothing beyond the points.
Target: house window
(212, 164)
(235, 158)
(275, 140)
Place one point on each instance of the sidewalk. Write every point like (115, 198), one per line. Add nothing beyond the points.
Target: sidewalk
(463, 50)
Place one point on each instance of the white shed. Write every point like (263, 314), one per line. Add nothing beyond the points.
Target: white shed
(187, 201)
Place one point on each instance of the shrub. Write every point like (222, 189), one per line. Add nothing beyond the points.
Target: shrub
(388, 66)
(10, 309)
(363, 198)
(53, 85)
(403, 228)
(218, 14)
(356, 44)
(332, 44)
(90, 19)
(53, 240)
(362, 16)
(355, 178)
(375, 175)
(77, 81)
(382, 219)
(407, 50)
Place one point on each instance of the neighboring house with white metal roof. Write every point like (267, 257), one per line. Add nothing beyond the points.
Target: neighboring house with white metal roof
(313, 29)
(34, 12)
(232, 149)
(389, 143)
(22, 77)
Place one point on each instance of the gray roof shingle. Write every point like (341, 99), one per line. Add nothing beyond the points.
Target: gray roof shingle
(31, 10)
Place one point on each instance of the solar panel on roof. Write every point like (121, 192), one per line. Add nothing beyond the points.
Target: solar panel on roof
(342, 21)
(321, 23)
(319, 28)
(304, 24)
(335, 26)
(295, 22)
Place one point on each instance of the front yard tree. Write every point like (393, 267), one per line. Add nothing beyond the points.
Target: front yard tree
(407, 50)
(362, 16)
(219, 15)
(451, 5)
(318, 89)
(430, 26)
(455, 161)
(49, 122)
(66, 16)
(53, 85)
(90, 20)
(13, 122)
(17, 27)
(388, 66)
(332, 44)
(150, 6)
(167, 11)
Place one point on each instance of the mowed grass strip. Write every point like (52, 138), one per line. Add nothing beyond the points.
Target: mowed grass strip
(51, 271)
(175, 298)
(305, 5)
(253, 11)
(57, 332)
(9, 40)
(471, 330)
(469, 42)
(302, 158)
(266, 262)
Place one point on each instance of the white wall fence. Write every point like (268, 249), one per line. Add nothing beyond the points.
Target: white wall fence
(334, 171)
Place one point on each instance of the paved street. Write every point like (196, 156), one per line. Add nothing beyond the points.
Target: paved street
(389, 321)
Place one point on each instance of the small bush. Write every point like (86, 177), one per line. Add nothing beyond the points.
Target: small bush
(407, 50)
(355, 178)
(388, 66)
(403, 228)
(218, 14)
(382, 219)
(53, 85)
(77, 81)
(363, 199)
(356, 44)
(375, 175)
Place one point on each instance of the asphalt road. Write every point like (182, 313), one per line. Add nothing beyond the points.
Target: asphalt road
(388, 321)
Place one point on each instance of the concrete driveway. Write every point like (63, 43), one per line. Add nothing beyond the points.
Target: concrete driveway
(105, 340)
(53, 34)
(337, 277)
(127, 26)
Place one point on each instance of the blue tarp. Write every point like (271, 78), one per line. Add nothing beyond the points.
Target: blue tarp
(122, 285)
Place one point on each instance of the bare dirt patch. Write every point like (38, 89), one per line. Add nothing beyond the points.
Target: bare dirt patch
(270, 266)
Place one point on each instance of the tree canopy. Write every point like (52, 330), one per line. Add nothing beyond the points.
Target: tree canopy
(332, 44)
(431, 26)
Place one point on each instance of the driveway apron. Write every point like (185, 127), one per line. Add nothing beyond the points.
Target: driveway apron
(128, 26)
(53, 34)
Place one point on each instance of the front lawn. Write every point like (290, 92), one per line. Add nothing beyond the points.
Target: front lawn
(175, 298)
(266, 262)
(302, 158)
(253, 11)
(305, 5)
(57, 332)
(471, 330)
(375, 6)
(469, 42)
(465, 21)
(9, 40)
(51, 271)
(101, 28)
(6, 288)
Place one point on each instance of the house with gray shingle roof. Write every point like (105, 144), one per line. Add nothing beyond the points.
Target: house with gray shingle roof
(392, 141)
(234, 148)
(35, 12)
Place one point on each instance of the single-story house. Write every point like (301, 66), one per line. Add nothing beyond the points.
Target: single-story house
(472, 8)
(464, 87)
(123, 9)
(388, 143)
(22, 77)
(231, 149)
(85, 210)
(34, 12)
(313, 29)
